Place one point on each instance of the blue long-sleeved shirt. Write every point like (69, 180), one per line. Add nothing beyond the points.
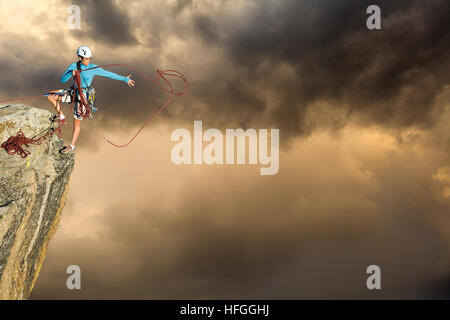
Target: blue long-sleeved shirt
(88, 76)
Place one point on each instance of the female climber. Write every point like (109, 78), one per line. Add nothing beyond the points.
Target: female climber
(84, 57)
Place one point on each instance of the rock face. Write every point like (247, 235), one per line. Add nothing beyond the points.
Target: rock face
(32, 194)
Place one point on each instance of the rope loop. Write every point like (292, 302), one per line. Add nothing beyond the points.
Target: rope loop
(14, 143)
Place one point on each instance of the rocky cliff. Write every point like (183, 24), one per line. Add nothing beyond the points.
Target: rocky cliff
(32, 194)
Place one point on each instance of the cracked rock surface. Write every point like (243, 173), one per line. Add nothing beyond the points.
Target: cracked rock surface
(32, 194)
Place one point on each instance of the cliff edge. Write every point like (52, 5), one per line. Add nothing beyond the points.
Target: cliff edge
(32, 194)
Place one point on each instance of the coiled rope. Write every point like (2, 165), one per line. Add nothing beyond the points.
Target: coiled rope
(14, 143)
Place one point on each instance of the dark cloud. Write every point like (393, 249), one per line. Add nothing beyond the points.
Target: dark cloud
(206, 28)
(29, 69)
(104, 21)
(391, 76)
(180, 5)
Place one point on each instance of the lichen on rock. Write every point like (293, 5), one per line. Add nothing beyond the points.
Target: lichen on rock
(32, 194)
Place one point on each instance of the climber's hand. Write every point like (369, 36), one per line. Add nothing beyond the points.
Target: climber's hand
(73, 73)
(131, 82)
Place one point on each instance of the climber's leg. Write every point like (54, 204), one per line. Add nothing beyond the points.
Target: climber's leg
(55, 101)
(76, 130)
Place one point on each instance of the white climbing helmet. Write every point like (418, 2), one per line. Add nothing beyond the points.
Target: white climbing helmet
(84, 51)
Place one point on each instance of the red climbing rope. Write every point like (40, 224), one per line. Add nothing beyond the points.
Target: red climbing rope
(14, 144)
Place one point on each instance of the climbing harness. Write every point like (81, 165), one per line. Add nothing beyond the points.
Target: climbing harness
(86, 105)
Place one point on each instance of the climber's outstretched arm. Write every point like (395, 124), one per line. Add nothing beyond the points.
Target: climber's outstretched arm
(108, 74)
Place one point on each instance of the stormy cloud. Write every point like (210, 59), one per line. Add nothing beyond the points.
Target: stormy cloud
(105, 22)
